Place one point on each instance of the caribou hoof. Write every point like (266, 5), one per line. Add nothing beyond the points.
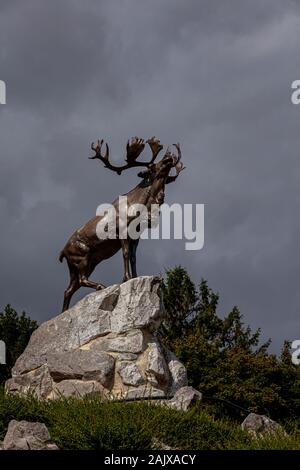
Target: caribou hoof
(100, 287)
(126, 278)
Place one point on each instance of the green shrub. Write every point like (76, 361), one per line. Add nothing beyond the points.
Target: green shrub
(90, 423)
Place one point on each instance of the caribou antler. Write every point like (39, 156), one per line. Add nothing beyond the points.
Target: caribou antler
(134, 148)
(178, 165)
(155, 146)
(177, 160)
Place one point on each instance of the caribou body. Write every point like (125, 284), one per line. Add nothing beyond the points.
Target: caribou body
(84, 249)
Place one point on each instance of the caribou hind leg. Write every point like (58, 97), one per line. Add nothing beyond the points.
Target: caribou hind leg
(78, 278)
(125, 252)
(84, 273)
(72, 288)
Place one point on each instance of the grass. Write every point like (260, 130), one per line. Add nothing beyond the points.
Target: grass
(90, 423)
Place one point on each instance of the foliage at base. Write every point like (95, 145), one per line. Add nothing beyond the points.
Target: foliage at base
(92, 424)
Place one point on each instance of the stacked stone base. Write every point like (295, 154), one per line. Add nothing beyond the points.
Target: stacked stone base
(105, 345)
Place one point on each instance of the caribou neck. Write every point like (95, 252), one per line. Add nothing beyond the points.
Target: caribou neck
(146, 195)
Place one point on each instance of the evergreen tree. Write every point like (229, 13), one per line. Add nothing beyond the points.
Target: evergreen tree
(224, 357)
(179, 295)
(15, 331)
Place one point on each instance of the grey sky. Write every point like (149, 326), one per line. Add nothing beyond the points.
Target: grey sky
(214, 75)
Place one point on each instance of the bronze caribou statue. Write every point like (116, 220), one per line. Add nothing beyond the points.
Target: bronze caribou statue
(84, 249)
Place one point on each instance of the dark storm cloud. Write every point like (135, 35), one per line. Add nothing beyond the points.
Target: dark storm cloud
(214, 75)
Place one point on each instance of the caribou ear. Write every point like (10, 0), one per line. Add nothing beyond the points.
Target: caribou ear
(143, 174)
(148, 172)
